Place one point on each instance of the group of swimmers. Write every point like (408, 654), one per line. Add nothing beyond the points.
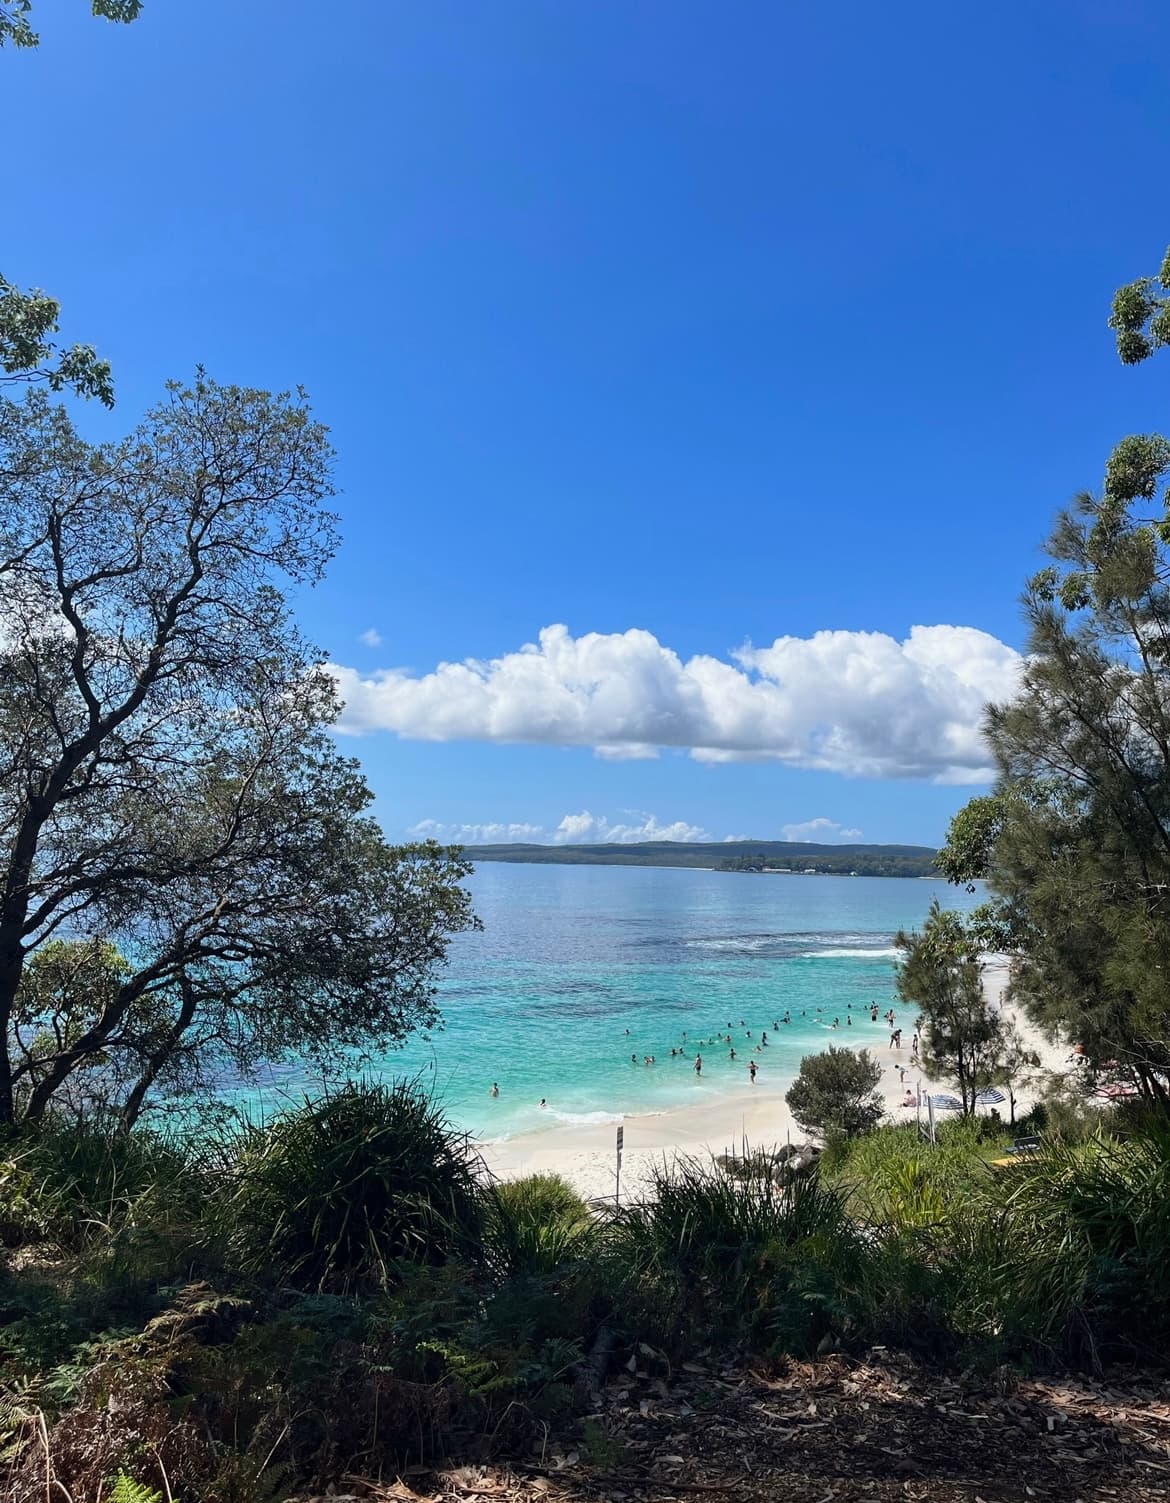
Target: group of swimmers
(682, 1051)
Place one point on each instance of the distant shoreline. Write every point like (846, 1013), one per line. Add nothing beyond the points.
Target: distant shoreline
(756, 857)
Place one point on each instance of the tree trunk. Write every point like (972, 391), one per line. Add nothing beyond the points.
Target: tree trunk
(132, 1108)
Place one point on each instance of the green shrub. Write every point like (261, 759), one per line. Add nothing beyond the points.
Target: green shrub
(705, 1256)
(536, 1225)
(333, 1195)
(76, 1183)
(1083, 1248)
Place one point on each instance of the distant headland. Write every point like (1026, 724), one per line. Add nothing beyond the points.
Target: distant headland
(761, 856)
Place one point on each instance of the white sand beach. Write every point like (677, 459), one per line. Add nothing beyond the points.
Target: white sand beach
(586, 1156)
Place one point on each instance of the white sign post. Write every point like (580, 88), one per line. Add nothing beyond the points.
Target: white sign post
(617, 1188)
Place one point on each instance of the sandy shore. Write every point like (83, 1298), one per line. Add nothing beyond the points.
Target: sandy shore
(758, 1114)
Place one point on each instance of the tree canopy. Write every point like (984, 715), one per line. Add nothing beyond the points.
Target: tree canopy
(1075, 839)
(963, 1041)
(167, 780)
(837, 1092)
(16, 27)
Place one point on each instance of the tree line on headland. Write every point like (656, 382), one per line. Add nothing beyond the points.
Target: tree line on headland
(198, 1305)
(728, 856)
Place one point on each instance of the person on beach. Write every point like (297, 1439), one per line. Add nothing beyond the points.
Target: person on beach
(908, 1098)
(901, 1074)
(698, 1065)
(914, 1047)
(495, 1087)
(752, 1070)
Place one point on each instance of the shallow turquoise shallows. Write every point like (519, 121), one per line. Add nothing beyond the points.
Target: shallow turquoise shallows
(571, 957)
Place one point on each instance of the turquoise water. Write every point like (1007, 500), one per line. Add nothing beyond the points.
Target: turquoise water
(573, 956)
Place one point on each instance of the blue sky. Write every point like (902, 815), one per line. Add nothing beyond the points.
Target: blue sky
(714, 323)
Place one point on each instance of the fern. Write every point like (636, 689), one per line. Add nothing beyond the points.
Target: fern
(126, 1490)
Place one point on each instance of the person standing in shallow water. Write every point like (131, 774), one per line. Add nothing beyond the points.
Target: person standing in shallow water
(752, 1070)
(698, 1065)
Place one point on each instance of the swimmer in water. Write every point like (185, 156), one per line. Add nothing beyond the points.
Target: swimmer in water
(543, 1103)
(633, 1059)
(495, 1087)
(752, 1070)
(698, 1064)
(764, 1037)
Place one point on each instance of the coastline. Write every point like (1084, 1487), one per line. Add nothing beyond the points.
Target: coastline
(585, 1155)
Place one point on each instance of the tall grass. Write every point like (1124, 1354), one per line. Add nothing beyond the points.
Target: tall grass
(332, 1195)
(536, 1225)
(1083, 1251)
(708, 1257)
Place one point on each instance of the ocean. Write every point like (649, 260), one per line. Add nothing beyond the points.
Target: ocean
(580, 967)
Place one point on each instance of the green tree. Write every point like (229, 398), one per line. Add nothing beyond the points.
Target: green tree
(1075, 839)
(28, 353)
(168, 782)
(963, 1040)
(15, 26)
(837, 1092)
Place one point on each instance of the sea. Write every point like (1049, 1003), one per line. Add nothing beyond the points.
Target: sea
(578, 968)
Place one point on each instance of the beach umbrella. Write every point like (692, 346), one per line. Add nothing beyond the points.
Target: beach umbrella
(946, 1103)
(990, 1097)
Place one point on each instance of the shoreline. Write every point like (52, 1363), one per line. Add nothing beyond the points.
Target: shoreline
(585, 1155)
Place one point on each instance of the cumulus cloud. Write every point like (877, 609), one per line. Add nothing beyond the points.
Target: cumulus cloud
(574, 829)
(484, 834)
(825, 831)
(371, 637)
(859, 703)
(588, 829)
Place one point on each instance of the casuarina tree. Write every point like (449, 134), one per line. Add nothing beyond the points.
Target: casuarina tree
(1075, 839)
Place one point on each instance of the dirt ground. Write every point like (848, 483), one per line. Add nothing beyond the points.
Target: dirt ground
(832, 1431)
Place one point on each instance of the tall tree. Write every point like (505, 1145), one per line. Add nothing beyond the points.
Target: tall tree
(1075, 840)
(963, 1041)
(167, 780)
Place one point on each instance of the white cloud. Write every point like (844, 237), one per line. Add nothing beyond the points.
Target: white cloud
(587, 829)
(822, 830)
(858, 703)
(574, 829)
(371, 637)
(485, 834)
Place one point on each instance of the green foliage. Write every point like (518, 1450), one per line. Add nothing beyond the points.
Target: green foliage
(537, 1224)
(963, 1041)
(172, 788)
(15, 26)
(76, 1183)
(28, 353)
(707, 1257)
(835, 1092)
(126, 1490)
(333, 1195)
(1141, 316)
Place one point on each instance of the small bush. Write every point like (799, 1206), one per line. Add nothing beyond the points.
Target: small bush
(333, 1195)
(79, 1182)
(709, 1257)
(536, 1225)
(836, 1092)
